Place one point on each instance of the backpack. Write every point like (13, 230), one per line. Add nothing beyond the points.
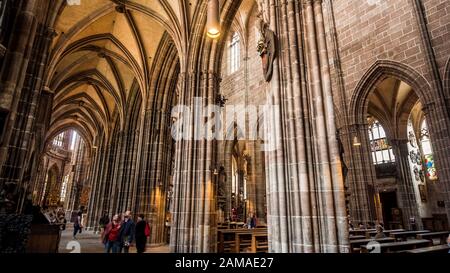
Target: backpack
(147, 230)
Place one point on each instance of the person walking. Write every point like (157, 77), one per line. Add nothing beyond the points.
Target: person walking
(142, 231)
(127, 232)
(104, 221)
(77, 226)
(111, 235)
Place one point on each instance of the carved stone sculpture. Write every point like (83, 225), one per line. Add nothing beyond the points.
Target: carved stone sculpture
(267, 48)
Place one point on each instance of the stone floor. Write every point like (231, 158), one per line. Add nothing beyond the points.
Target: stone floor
(88, 242)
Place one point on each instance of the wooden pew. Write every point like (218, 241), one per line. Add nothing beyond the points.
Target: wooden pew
(404, 235)
(430, 249)
(223, 226)
(441, 235)
(355, 245)
(357, 237)
(236, 225)
(226, 238)
(260, 243)
(360, 231)
(372, 234)
(244, 239)
(399, 246)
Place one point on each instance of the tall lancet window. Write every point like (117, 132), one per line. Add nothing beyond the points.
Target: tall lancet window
(235, 176)
(58, 140)
(427, 151)
(381, 150)
(64, 188)
(235, 53)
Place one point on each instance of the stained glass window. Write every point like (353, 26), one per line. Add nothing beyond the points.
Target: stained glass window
(415, 157)
(381, 149)
(427, 150)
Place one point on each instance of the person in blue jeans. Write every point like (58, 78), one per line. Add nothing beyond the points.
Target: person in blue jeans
(77, 227)
(127, 232)
(111, 236)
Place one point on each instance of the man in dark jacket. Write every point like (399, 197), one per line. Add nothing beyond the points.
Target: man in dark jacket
(77, 226)
(104, 221)
(127, 232)
(141, 234)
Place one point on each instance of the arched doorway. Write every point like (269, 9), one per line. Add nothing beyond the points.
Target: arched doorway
(61, 182)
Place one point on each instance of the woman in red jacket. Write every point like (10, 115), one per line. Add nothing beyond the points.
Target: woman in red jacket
(111, 235)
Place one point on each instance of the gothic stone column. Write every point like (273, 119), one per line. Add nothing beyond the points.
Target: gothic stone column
(407, 193)
(194, 227)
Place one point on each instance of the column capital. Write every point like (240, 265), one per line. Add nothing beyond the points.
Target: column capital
(317, 2)
(50, 33)
(357, 127)
(307, 3)
(47, 90)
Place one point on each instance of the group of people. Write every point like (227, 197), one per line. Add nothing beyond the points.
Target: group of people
(121, 232)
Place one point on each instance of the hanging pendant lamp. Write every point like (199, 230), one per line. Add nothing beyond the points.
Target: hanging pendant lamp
(213, 22)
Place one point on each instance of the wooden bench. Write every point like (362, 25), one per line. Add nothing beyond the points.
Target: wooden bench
(430, 249)
(372, 234)
(226, 239)
(236, 225)
(360, 231)
(243, 240)
(404, 235)
(357, 237)
(355, 245)
(441, 235)
(260, 243)
(223, 226)
(399, 246)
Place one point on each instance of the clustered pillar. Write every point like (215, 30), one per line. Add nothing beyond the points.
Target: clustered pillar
(194, 227)
(306, 205)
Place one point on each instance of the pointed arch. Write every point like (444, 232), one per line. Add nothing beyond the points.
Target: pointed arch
(447, 80)
(378, 72)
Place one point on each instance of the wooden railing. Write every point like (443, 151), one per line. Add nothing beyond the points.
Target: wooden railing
(44, 238)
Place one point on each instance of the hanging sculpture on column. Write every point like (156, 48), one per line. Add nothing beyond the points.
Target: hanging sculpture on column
(267, 48)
